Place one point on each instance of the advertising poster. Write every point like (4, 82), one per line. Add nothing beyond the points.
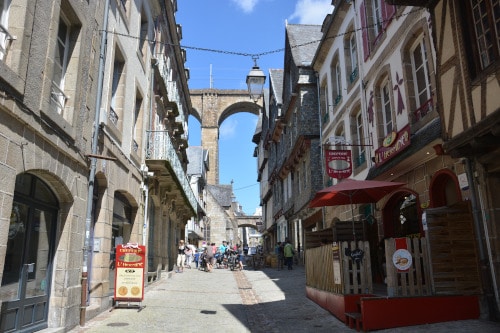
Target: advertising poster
(129, 279)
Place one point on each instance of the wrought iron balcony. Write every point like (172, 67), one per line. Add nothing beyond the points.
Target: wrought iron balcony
(160, 148)
(359, 160)
(57, 98)
(422, 111)
(326, 117)
(354, 75)
(5, 41)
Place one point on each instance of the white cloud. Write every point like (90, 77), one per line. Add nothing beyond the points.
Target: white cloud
(311, 11)
(246, 5)
(228, 128)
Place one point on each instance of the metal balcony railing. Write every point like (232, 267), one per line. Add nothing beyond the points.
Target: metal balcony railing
(422, 111)
(160, 147)
(172, 89)
(5, 40)
(58, 98)
(113, 116)
(354, 75)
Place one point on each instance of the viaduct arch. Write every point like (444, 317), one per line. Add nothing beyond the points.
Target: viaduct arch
(211, 107)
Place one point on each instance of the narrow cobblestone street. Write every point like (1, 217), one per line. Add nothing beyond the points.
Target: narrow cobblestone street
(265, 300)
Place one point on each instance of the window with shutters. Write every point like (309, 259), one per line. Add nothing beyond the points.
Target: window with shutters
(375, 15)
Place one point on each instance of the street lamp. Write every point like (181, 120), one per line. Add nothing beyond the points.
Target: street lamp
(255, 82)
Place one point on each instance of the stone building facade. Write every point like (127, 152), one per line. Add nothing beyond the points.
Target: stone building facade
(81, 172)
(49, 85)
(367, 63)
(468, 100)
(289, 148)
(383, 99)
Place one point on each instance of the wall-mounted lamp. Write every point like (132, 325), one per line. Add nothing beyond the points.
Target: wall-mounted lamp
(255, 81)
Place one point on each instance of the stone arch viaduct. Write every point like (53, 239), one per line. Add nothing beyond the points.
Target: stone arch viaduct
(211, 107)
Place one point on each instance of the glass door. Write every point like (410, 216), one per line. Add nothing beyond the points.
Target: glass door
(26, 278)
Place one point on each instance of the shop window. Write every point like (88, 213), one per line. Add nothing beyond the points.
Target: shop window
(121, 229)
(29, 252)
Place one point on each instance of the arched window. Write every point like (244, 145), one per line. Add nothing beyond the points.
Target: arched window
(444, 189)
(401, 215)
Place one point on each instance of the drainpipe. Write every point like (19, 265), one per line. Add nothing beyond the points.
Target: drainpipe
(322, 157)
(477, 204)
(93, 161)
(145, 173)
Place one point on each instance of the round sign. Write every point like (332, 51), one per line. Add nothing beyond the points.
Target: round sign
(402, 259)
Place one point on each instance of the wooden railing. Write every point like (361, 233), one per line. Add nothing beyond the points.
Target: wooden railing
(416, 280)
(332, 270)
(356, 276)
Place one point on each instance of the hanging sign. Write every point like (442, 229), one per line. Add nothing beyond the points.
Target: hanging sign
(129, 273)
(338, 163)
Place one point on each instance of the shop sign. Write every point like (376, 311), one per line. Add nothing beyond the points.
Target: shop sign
(356, 254)
(338, 163)
(401, 258)
(129, 273)
(393, 144)
(463, 182)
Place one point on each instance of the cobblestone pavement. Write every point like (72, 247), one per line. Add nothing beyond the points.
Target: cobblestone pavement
(265, 300)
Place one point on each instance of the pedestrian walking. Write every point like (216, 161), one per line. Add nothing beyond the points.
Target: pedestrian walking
(278, 250)
(197, 258)
(210, 257)
(181, 256)
(189, 252)
(240, 256)
(288, 252)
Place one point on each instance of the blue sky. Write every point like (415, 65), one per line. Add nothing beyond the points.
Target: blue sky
(220, 37)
